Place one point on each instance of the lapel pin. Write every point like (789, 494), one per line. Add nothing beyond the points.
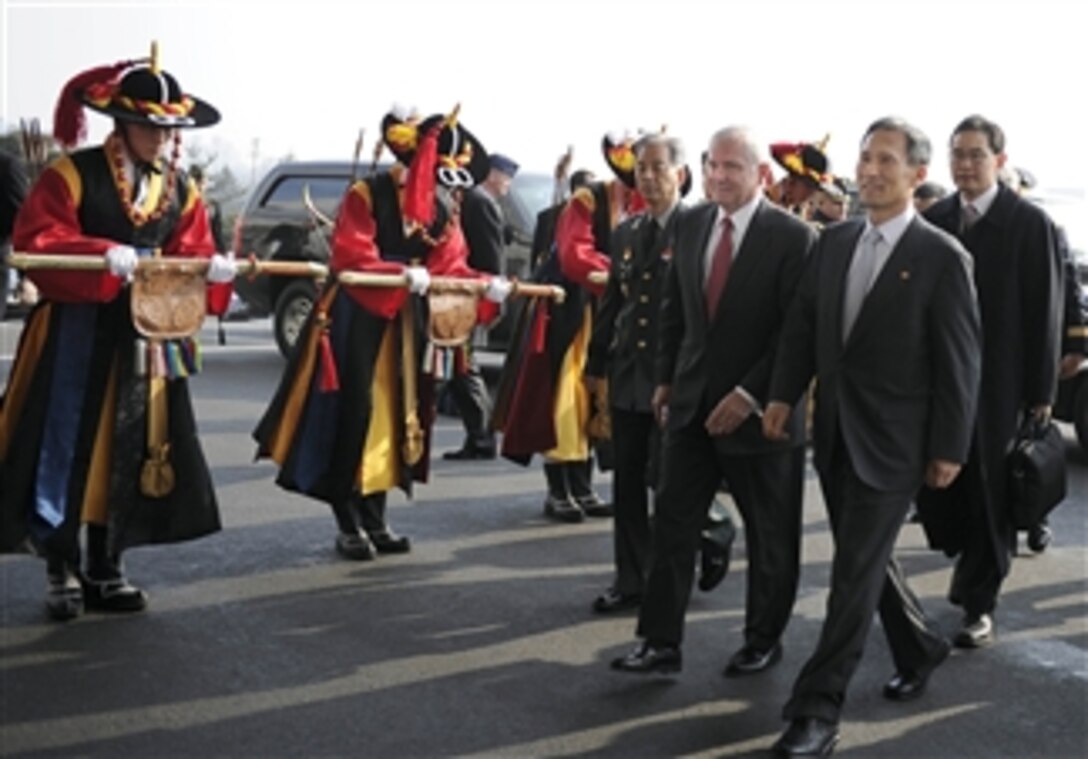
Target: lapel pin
(904, 275)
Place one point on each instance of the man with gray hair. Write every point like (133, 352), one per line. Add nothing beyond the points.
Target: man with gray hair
(622, 352)
(885, 319)
(736, 264)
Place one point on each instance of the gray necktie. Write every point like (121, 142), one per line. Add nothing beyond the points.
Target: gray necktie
(968, 216)
(860, 278)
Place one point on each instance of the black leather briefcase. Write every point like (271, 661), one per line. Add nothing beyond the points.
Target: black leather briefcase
(1037, 472)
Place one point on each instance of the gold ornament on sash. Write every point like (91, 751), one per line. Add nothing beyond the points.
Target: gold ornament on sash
(169, 301)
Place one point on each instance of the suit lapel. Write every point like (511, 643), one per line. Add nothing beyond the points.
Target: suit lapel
(693, 267)
(746, 258)
(839, 266)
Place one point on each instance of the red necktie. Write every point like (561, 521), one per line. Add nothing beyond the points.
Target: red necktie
(719, 268)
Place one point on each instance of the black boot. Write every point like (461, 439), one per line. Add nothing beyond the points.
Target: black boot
(579, 475)
(351, 542)
(64, 594)
(559, 505)
(105, 587)
(370, 510)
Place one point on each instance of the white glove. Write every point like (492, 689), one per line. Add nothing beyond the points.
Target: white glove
(419, 279)
(121, 260)
(498, 289)
(222, 268)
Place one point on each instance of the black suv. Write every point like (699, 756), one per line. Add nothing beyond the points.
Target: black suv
(276, 225)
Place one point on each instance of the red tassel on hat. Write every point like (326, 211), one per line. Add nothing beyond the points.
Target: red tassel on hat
(330, 379)
(419, 190)
(69, 118)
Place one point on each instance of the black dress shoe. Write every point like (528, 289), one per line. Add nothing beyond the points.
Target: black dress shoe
(713, 563)
(647, 659)
(808, 736)
(909, 685)
(750, 660)
(470, 453)
(905, 686)
(1039, 537)
(612, 600)
(389, 542)
(978, 631)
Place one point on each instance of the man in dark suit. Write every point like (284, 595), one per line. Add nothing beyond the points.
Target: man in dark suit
(887, 322)
(622, 352)
(736, 265)
(1017, 270)
(484, 225)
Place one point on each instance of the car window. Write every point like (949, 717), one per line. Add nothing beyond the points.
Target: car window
(530, 194)
(326, 192)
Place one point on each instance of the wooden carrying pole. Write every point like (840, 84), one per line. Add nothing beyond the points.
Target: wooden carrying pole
(449, 284)
(247, 267)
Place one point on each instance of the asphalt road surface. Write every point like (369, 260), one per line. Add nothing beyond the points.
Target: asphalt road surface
(261, 642)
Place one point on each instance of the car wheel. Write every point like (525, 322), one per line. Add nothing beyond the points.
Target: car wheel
(293, 307)
(1080, 413)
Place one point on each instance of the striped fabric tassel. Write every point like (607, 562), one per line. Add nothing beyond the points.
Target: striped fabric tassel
(447, 363)
(170, 351)
(188, 348)
(156, 359)
(198, 355)
(429, 359)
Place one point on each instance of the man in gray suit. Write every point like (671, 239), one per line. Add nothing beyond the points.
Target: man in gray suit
(886, 320)
(736, 265)
(485, 228)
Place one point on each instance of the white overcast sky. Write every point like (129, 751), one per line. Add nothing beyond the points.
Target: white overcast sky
(532, 77)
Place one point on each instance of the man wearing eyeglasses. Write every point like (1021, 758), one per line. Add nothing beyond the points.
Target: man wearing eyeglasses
(1017, 271)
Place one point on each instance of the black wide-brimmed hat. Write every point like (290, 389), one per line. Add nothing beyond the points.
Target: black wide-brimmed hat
(461, 160)
(804, 160)
(138, 91)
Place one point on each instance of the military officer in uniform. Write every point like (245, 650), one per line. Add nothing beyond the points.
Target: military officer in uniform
(622, 351)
